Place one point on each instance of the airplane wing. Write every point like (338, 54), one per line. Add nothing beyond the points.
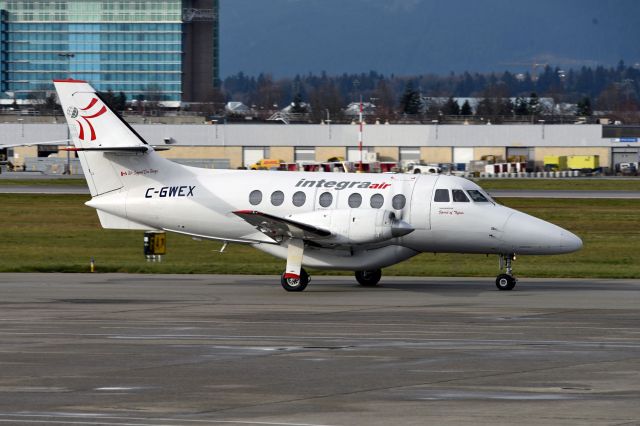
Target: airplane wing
(278, 228)
(13, 145)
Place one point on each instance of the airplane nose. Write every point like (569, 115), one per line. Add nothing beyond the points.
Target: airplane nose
(572, 241)
(526, 234)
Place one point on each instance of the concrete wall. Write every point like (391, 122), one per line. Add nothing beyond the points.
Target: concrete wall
(323, 153)
(479, 152)
(233, 153)
(387, 153)
(436, 154)
(284, 153)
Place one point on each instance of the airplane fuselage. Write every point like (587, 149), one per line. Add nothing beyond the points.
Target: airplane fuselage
(201, 203)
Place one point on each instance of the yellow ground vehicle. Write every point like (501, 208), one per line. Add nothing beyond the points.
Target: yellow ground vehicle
(267, 164)
(554, 163)
(584, 163)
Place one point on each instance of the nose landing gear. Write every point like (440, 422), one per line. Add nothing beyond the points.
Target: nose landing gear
(292, 282)
(506, 281)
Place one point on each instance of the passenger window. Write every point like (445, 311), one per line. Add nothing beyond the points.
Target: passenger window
(477, 196)
(255, 197)
(459, 196)
(377, 200)
(326, 199)
(277, 198)
(355, 200)
(398, 202)
(442, 196)
(299, 198)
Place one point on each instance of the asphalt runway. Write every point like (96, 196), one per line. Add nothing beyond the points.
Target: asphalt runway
(70, 189)
(118, 349)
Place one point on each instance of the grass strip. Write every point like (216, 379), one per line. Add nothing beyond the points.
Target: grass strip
(57, 233)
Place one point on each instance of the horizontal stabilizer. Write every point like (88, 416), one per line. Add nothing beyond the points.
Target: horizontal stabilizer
(278, 227)
(110, 149)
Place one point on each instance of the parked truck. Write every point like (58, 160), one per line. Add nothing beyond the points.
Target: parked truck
(554, 163)
(583, 163)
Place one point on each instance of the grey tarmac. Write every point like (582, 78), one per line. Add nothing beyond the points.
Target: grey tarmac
(119, 349)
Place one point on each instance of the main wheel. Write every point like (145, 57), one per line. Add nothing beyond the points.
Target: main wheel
(369, 278)
(295, 284)
(506, 282)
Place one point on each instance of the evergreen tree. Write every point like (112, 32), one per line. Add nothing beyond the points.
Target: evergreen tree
(466, 109)
(584, 107)
(521, 107)
(451, 107)
(534, 104)
(296, 105)
(410, 102)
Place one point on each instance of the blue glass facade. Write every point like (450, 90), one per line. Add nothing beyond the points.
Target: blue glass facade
(131, 46)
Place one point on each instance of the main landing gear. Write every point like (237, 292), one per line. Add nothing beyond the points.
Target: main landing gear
(506, 281)
(292, 282)
(369, 278)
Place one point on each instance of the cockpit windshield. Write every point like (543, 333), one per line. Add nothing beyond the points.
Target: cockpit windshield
(477, 196)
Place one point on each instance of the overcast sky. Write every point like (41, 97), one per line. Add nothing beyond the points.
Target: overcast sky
(404, 37)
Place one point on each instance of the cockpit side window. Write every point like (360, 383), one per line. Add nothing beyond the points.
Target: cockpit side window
(459, 196)
(441, 196)
(477, 196)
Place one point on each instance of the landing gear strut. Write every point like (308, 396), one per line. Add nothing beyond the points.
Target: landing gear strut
(369, 278)
(506, 281)
(291, 282)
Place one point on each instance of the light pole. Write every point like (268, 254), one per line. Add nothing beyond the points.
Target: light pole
(542, 122)
(67, 56)
(328, 121)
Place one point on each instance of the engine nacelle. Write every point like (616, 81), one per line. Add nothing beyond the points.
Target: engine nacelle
(356, 226)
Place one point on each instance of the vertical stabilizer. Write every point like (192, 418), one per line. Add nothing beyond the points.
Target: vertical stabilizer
(95, 128)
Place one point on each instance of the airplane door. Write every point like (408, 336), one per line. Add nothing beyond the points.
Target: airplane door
(421, 202)
(403, 184)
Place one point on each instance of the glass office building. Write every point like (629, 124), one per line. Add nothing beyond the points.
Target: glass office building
(133, 46)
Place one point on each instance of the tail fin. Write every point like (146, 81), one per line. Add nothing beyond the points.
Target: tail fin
(99, 135)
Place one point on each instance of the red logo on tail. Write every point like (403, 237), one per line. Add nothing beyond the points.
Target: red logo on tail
(87, 119)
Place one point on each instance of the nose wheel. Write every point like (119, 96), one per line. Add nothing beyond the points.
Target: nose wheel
(506, 281)
(291, 282)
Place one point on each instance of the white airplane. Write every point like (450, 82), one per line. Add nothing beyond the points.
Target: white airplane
(356, 222)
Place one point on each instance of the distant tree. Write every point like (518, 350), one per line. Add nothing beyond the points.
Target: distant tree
(410, 102)
(297, 106)
(485, 108)
(584, 107)
(50, 103)
(534, 104)
(451, 107)
(120, 101)
(385, 103)
(466, 109)
(108, 98)
(521, 107)
(505, 107)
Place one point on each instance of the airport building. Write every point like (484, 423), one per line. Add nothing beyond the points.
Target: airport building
(237, 145)
(158, 50)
